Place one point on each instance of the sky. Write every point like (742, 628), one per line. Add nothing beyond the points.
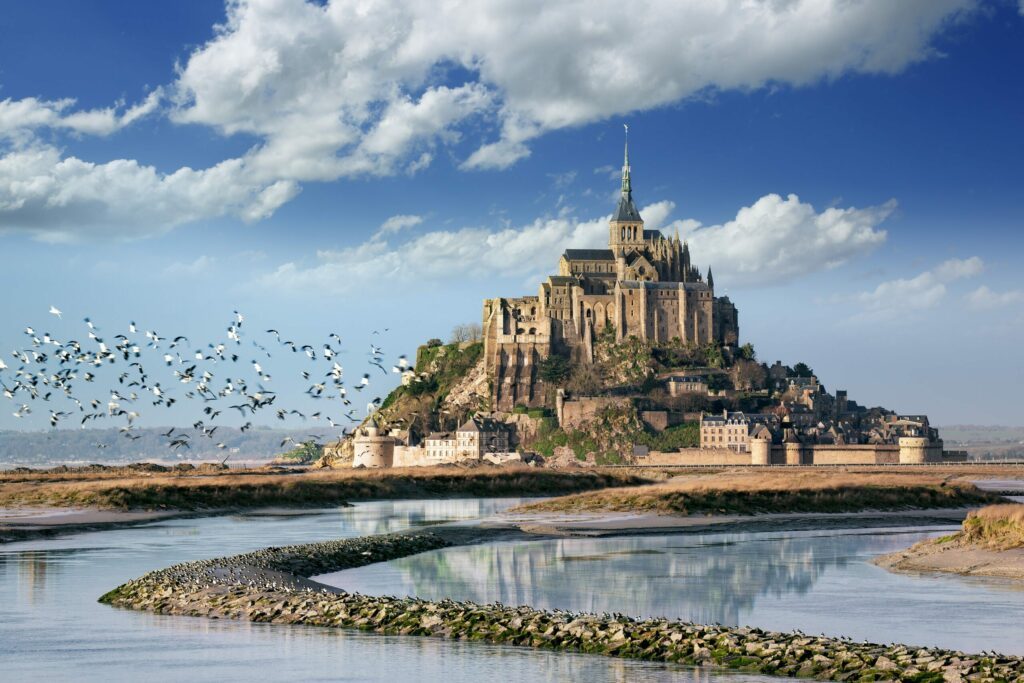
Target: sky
(852, 171)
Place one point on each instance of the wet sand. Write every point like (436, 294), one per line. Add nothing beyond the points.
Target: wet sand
(600, 524)
(22, 524)
(953, 557)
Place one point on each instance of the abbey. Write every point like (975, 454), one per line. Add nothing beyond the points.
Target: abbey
(643, 285)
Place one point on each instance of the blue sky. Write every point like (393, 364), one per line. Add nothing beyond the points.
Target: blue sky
(852, 172)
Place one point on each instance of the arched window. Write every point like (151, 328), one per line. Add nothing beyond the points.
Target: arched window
(622, 233)
(533, 311)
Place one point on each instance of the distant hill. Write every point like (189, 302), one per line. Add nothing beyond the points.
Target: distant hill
(108, 446)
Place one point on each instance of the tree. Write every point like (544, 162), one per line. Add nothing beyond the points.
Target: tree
(802, 370)
(713, 355)
(717, 382)
(555, 369)
(747, 352)
(748, 374)
(470, 332)
(584, 380)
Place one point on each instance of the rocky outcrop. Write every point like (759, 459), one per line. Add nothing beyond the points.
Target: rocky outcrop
(272, 585)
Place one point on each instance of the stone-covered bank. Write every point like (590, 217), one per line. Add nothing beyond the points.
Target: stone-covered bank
(272, 585)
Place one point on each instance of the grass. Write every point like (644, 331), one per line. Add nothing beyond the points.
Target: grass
(999, 527)
(176, 491)
(748, 493)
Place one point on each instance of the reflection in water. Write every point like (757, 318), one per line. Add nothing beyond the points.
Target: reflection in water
(813, 581)
(386, 516)
(708, 582)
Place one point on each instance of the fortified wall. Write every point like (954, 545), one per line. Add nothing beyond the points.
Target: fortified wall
(909, 451)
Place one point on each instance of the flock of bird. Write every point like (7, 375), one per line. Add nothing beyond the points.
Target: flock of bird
(223, 375)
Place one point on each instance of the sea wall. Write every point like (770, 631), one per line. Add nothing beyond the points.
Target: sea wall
(696, 456)
(271, 585)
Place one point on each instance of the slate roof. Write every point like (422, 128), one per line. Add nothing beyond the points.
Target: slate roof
(626, 211)
(589, 255)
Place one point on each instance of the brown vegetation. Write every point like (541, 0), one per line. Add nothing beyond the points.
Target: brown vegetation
(796, 491)
(999, 527)
(249, 489)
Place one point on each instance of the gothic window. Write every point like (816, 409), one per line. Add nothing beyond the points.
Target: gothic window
(622, 233)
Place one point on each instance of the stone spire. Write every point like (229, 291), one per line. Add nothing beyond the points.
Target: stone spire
(627, 210)
(711, 279)
(627, 186)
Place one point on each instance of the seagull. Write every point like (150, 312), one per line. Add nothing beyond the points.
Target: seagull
(55, 311)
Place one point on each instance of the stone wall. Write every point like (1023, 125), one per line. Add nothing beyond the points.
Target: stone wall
(577, 412)
(696, 456)
(854, 454)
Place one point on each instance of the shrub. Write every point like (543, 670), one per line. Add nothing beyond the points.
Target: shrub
(555, 369)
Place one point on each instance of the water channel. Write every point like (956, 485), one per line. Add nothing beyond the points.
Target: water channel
(52, 628)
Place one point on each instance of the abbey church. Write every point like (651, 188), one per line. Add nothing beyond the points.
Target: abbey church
(643, 285)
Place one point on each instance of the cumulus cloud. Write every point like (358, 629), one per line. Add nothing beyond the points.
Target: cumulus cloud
(785, 239)
(19, 119)
(904, 296)
(344, 68)
(61, 199)
(341, 88)
(777, 239)
(984, 298)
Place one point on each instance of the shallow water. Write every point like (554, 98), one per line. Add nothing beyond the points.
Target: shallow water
(52, 628)
(814, 581)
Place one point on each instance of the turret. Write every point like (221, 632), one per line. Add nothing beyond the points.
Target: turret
(711, 280)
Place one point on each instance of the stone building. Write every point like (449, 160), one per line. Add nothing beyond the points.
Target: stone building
(730, 430)
(475, 439)
(642, 285)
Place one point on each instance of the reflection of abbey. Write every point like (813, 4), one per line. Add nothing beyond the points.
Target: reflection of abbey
(643, 285)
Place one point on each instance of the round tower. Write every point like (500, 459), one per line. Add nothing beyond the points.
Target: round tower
(373, 449)
(914, 450)
(792, 447)
(760, 451)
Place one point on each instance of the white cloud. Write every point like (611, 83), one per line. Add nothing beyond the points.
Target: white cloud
(783, 239)
(955, 269)
(342, 88)
(66, 199)
(346, 87)
(905, 296)
(19, 119)
(777, 239)
(984, 298)
(397, 224)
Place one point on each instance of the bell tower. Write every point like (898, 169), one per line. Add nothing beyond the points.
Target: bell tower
(626, 228)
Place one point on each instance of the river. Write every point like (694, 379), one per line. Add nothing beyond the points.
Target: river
(52, 628)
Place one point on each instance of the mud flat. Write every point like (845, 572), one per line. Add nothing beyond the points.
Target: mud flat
(990, 543)
(273, 585)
